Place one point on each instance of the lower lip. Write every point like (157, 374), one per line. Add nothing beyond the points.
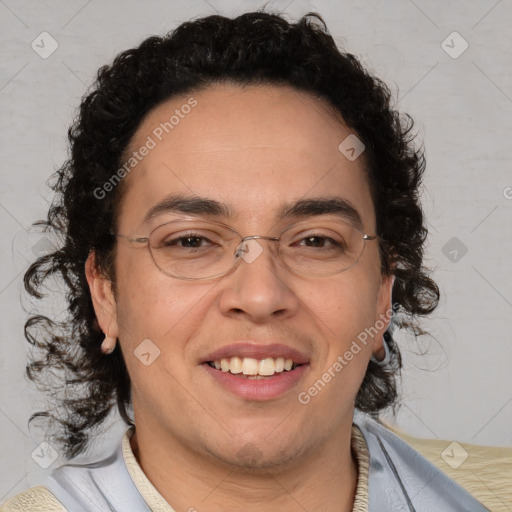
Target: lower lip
(267, 388)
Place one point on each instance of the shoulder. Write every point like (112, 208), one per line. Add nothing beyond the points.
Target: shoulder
(403, 471)
(35, 499)
(484, 471)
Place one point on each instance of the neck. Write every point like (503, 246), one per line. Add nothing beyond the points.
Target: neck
(324, 479)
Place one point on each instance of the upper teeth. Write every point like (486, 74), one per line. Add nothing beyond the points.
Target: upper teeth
(250, 366)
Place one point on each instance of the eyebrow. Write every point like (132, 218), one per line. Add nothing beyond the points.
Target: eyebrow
(323, 206)
(188, 204)
(301, 208)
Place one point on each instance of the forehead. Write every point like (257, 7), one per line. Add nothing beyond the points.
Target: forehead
(253, 149)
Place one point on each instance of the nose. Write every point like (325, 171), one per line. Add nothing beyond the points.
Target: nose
(258, 288)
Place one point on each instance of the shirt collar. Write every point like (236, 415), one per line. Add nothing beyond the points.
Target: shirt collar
(158, 504)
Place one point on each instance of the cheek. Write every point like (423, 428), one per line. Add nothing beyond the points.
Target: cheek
(168, 313)
(154, 306)
(343, 310)
(344, 307)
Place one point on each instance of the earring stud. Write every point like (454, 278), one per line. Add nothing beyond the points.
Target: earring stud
(387, 354)
(108, 345)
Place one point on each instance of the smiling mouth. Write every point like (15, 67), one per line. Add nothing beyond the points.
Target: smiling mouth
(250, 368)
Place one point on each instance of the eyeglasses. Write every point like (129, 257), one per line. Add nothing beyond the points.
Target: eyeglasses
(196, 249)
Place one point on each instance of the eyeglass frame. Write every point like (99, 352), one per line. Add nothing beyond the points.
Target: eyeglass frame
(237, 258)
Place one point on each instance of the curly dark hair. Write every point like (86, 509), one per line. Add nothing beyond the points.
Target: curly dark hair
(254, 48)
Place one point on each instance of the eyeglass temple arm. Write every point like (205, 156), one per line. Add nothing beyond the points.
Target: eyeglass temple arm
(139, 240)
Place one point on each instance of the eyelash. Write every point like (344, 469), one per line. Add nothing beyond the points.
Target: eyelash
(179, 241)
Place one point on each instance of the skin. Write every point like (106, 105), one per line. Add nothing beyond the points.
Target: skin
(252, 149)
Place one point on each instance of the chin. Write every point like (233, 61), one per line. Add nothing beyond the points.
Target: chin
(250, 458)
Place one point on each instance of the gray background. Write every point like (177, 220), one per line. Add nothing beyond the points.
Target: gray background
(461, 388)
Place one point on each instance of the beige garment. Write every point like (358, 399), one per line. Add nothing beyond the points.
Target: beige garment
(36, 499)
(39, 499)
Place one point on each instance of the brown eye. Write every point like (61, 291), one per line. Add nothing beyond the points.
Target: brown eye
(187, 241)
(317, 241)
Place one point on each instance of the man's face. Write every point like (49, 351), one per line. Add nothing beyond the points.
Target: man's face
(255, 151)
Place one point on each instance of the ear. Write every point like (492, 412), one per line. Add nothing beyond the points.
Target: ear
(102, 297)
(384, 313)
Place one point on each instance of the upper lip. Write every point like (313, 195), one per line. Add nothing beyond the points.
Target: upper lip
(257, 351)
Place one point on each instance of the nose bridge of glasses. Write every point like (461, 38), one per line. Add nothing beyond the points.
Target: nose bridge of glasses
(260, 237)
(249, 249)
